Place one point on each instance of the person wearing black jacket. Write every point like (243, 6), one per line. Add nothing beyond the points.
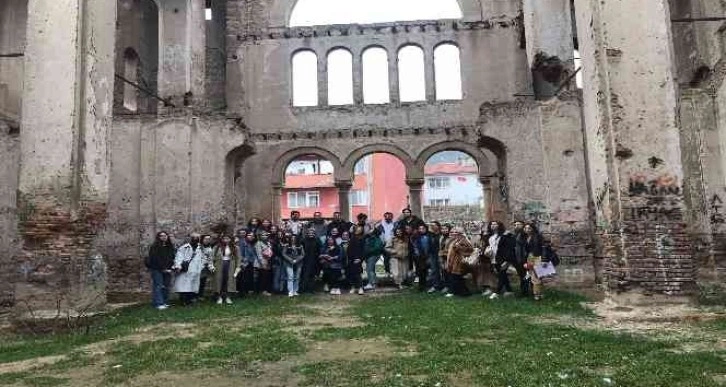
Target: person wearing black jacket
(534, 255)
(159, 262)
(312, 246)
(520, 258)
(355, 254)
(502, 246)
(339, 223)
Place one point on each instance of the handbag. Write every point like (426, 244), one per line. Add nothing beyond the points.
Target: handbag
(473, 258)
(185, 266)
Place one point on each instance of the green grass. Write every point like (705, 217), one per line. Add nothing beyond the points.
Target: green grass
(471, 341)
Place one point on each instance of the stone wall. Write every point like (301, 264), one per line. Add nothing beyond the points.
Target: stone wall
(9, 160)
(13, 19)
(166, 174)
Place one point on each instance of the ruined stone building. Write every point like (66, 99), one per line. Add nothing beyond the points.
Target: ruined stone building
(122, 118)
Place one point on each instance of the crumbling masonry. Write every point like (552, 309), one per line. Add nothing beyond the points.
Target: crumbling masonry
(628, 174)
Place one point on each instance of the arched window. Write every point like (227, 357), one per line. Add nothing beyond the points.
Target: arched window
(375, 76)
(304, 78)
(447, 71)
(411, 74)
(340, 77)
(131, 73)
(324, 12)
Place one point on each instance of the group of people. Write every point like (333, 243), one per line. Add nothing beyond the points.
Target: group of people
(296, 256)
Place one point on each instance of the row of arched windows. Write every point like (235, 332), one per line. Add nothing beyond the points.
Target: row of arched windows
(375, 75)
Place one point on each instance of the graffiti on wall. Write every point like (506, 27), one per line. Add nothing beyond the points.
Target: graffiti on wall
(717, 217)
(660, 198)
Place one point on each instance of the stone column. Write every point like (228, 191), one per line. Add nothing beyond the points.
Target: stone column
(634, 149)
(429, 74)
(357, 78)
(276, 206)
(323, 80)
(548, 30)
(415, 189)
(486, 183)
(344, 187)
(63, 187)
(395, 96)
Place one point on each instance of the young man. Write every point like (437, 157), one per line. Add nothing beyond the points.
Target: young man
(295, 225)
(339, 223)
(520, 257)
(422, 252)
(386, 228)
(318, 225)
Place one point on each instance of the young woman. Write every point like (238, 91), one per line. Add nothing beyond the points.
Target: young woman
(263, 265)
(188, 264)
(226, 261)
(253, 226)
(397, 248)
(373, 251)
(278, 269)
(207, 265)
(459, 248)
(311, 246)
(484, 271)
(293, 254)
(443, 253)
(248, 256)
(501, 251)
(533, 252)
(355, 254)
(159, 263)
(330, 258)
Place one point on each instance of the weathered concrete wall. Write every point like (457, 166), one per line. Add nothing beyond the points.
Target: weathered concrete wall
(166, 174)
(138, 29)
(493, 67)
(9, 160)
(216, 57)
(634, 143)
(698, 45)
(13, 20)
(67, 103)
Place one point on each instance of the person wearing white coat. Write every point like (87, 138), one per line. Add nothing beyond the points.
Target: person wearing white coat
(187, 283)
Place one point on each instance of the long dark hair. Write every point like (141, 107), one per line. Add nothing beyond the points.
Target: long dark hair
(500, 230)
(157, 241)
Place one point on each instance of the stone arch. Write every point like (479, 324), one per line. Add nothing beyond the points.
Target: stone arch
(281, 10)
(346, 172)
(278, 171)
(486, 168)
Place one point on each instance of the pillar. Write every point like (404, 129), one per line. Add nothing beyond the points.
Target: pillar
(634, 150)
(344, 187)
(357, 78)
(548, 31)
(64, 172)
(276, 203)
(486, 183)
(429, 74)
(415, 189)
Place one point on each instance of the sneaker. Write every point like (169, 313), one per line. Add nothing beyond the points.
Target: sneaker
(228, 301)
(538, 297)
(352, 291)
(291, 294)
(295, 294)
(369, 287)
(449, 295)
(494, 296)
(326, 288)
(162, 307)
(335, 291)
(445, 290)
(508, 294)
(219, 301)
(431, 290)
(487, 293)
(266, 294)
(361, 291)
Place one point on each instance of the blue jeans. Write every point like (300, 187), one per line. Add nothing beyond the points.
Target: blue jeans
(293, 277)
(371, 269)
(278, 277)
(434, 271)
(160, 287)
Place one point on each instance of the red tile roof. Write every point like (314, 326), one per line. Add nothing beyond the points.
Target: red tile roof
(309, 181)
(450, 169)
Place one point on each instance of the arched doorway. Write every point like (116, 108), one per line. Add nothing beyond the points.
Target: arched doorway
(453, 192)
(309, 188)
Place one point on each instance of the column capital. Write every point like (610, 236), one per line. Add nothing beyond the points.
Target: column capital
(416, 183)
(278, 186)
(344, 184)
